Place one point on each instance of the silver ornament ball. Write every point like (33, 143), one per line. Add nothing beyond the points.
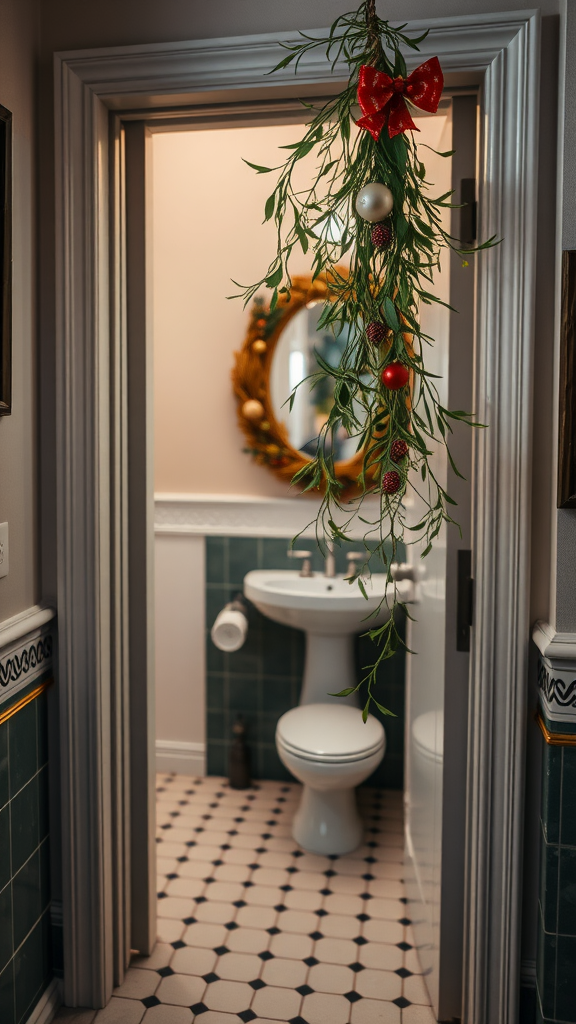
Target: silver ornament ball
(374, 202)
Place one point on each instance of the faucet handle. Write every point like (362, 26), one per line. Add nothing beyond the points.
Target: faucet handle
(353, 557)
(306, 569)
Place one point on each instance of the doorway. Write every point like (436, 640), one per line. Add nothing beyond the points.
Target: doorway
(505, 49)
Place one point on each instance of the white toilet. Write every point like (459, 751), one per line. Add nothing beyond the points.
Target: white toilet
(331, 751)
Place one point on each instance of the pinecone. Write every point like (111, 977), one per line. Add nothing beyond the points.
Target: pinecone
(391, 482)
(376, 331)
(381, 235)
(398, 450)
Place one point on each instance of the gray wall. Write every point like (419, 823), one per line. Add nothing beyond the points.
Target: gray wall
(19, 45)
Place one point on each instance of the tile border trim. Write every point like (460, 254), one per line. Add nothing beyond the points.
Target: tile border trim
(556, 681)
(555, 739)
(27, 656)
(15, 708)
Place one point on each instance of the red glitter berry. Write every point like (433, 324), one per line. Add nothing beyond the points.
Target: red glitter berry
(381, 235)
(376, 331)
(395, 376)
(391, 482)
(398, 450)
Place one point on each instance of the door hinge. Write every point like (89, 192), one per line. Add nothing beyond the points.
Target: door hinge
(465, 601)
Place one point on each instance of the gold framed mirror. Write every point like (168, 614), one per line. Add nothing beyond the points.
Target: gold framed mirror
(279, 352)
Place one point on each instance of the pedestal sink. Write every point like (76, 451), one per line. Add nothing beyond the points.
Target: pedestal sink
(331, 611)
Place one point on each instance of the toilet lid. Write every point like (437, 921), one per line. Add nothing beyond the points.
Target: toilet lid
(329, 732)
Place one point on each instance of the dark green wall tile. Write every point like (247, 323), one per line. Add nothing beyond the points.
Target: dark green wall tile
(43, 804)
(217, 758)
(6, 945)
(4, 779)
(270, 765)
(242, 694)
(567, 895)
(568, 834)
(242, 557)
(24, 824)
(58, 949)
(216, 724)
(549, 864)
(216, 660)
(26, 898)
(215, 691)
(7, 1007)
(44, 875)
(546, 973)
(247, 660)
(23, 747)
(565, 985)
(277, 695)
(42, 728)
(4, 846)
(274, 552)
(32, 968)
(216, 559)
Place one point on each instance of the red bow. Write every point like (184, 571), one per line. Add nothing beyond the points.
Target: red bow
(382, 98)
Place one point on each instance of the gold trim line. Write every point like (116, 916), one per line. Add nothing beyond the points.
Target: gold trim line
(555, 739)
(5, 715)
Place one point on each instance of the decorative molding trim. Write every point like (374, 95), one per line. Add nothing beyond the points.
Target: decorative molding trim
(557, 648)
(48, 1004)
(185, 758)
(24, 624)
(28, 656)
(240, 515)
(555, 739)
(504, 48)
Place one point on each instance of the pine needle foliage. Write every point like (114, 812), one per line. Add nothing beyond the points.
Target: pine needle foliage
(381, 285)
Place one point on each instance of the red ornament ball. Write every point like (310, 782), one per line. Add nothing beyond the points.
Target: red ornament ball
(398, 450)
(395, 376)
(391, 482)
(381, 236)
(376, 331)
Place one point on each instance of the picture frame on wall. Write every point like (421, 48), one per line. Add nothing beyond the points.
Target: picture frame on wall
(567, 386)
(5, 261)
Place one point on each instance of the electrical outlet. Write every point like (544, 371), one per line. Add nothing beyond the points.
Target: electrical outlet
(4, 562)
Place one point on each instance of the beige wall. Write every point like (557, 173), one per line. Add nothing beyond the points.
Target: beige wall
(19, 41)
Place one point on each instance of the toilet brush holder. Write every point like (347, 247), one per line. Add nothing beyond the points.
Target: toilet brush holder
(239, 758)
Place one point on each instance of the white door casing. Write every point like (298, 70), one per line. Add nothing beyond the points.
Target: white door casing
(505, 49)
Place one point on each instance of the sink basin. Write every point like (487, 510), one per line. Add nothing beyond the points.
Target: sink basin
(330, 611)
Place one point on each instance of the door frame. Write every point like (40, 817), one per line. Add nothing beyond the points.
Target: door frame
(93, 523)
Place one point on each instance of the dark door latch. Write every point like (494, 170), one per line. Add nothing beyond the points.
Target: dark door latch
(465, 602)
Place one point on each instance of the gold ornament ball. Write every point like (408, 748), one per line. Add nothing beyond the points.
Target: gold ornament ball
(253, 410)
(259, 346)
(264, 425)
(374, 202)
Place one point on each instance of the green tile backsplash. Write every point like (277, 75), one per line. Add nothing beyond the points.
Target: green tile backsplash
(25, 941)
(557, 904)
(262, 680)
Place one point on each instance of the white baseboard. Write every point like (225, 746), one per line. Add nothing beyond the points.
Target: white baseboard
(184, 758)
(48, 1004)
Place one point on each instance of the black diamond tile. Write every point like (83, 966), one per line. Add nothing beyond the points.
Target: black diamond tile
(213, 805)
(165, 972)
(206, 817)
(404, 920)
(311, 961)
(199, 1008)
(297, 1020)
(239, 903)
(325, 892)
(266, 835)
(362, 917)
(178, 944)
(277, 810)
(253, 867)
(247, 1015)
(209, 978)
(172, 875)
(322, 913)
(247, 885)
(360, 941)
(238, 820)
(365, 896)
(266, 955)
(352, 997)
(165, 827)
(403, 972)
(280, 799)
(189, 920)
(298, 853)
(199, 899)
(292, 871)
(182, 860)
(174, 814)
(232, 832)
(150, 1001)
(316, 935)
(226, 846)
(356, 967)
(286, 888)
(305, 990)
(272, 824)
(273, 931)
(368, 878)
(372, 844)
(329, 873)
(231, 926)
(162, 895)
(402, 1002)
(279, 907)
(209, 880)
(221, 950)
(199, 829)
(191, 842)
(403, 899)
(285, 789)
(370, 860)
(217, 863)
(257, 983)
(404, 945)
(260, 849)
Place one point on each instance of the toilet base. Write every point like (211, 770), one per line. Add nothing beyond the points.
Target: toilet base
(327, 821)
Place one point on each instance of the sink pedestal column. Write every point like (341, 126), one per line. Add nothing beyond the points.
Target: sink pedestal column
(329, 667)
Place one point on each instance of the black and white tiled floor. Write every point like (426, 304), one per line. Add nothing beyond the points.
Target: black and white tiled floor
(251, 928)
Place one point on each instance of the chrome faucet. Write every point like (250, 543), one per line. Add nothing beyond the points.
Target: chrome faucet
(330, 563)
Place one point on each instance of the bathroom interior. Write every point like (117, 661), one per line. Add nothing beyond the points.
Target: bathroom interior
(303, 913)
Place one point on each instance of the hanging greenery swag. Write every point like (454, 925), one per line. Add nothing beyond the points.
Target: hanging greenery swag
(369, 201)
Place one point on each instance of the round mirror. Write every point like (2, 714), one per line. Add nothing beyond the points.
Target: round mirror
(281, 350)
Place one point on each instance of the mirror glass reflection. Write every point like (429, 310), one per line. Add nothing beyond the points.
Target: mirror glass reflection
(295, 359)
